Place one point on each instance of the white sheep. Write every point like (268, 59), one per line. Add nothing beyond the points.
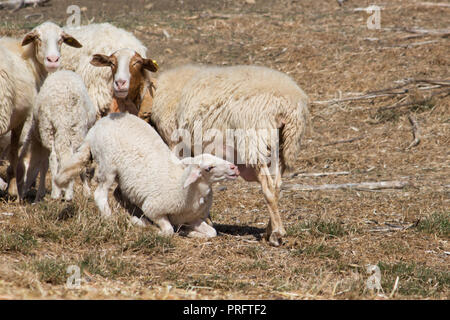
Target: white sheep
(22, 70)
(258, 101)
(102, 38)
(169, 191)
(62, 116)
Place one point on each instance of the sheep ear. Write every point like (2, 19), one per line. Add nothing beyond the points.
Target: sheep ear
(150, 65)
(70, 41)
(100, 60)
(193, 176)
(30, 37)
(187, 161)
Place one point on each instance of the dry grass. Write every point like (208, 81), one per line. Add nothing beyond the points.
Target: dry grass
(332, 235)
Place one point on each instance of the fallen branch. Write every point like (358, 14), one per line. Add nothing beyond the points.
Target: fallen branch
(410, 45)
(19, 4)
(446, 92)
(363, 97)
(435, 4)
(210, 16)
(389, 227)
(428, 31)
(363, 186)
(398, 90)
(320, 174)
(34, 15)
(394, 288)
(415, 130)
(343, 141)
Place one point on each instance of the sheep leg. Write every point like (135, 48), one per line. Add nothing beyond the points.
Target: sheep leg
(42, 173)
(13, 161)
(68, 191)
(201, 229)
(106, 180)
(33, 161)
(84, 181)
(53, 162)
(271, 190)
(164, 224)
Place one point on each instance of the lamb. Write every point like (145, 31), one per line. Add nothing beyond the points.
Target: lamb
(102, 38)
(62, 115)
(22, 71)
(255, 100)
(130, 83)
(168, 190)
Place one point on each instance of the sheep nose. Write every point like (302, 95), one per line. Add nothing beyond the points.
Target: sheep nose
(121, 83)
(52, 59)
(235, 169)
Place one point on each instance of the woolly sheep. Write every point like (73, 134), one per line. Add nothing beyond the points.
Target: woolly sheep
(62, 116)
(169, 191)
(102, 38)
(22, 71)
(200, 98)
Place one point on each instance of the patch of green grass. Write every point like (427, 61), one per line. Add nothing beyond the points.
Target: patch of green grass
(319, 250)
(437, 223)
(255, 265)
(394, 114)
(18, 241)
(53, 271)
(414, 279)
(215, 281)
(319, 227)
(150, 242)
(107, 266)
(253, 252)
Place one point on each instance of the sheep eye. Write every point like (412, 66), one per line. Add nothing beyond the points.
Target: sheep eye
(209, 168)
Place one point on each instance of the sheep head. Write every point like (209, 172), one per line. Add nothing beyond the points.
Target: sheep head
(128, 70)
(47, 39)
(210, 168)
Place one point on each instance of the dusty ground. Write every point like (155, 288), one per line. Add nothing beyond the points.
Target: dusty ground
(332, 235)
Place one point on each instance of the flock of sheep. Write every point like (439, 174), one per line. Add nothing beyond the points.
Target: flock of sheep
(72, 95)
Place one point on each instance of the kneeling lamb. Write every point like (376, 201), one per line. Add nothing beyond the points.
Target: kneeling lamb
(168, 190)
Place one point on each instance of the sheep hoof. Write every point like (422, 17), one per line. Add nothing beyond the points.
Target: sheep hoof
(165, 233)
(12, 188)
(275, 238)
(137, 222)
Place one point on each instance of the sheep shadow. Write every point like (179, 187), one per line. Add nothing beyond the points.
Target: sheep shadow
(234, 230)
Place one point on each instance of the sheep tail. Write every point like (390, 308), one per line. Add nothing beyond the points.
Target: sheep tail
(72, 167)
(291, 133)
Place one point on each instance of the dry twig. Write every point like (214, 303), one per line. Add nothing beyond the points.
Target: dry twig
(363, 186)
(410, 45)
(320, 174)
(435, 4)
(398, 90)
(19, 4)
(415, 131)
(343, 141)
